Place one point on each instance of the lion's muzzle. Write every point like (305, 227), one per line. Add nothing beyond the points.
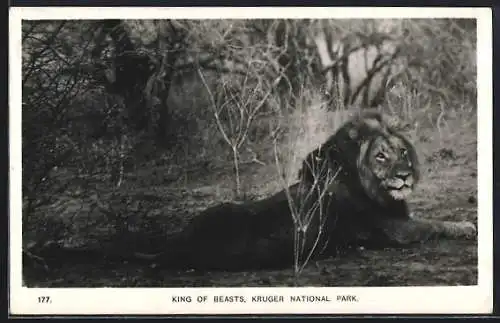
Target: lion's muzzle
(399, 186)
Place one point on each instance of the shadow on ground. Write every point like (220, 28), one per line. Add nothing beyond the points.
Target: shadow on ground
(431, 264)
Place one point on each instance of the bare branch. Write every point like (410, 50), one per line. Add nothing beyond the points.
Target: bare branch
(214, 107)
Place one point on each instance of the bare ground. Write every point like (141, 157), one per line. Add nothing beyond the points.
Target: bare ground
(448, 191)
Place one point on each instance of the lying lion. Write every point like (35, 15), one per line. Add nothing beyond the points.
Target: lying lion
(362, 175)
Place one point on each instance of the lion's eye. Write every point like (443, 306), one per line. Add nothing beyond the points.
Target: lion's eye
(404, 152)
(380, 157)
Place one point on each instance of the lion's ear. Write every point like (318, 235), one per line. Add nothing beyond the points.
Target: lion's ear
(394, 122)
(406, 127)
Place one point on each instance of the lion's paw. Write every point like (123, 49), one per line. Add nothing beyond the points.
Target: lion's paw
(467, 230)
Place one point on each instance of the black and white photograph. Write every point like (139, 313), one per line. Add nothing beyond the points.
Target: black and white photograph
(250, 160)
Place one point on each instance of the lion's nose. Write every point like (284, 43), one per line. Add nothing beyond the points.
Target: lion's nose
(403, 175)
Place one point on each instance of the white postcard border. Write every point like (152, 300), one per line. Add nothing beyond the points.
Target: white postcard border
(372, 300)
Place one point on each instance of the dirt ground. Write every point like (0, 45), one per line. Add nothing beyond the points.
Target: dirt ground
(443, 263)
(448, 191)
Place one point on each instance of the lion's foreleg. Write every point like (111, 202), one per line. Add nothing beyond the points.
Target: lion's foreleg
(411, 230)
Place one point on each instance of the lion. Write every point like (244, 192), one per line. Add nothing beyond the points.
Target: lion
(362, 176)
(378, 170)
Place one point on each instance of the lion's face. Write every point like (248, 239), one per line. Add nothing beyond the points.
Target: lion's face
(388, 167)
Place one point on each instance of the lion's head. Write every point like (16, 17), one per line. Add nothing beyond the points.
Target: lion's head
(387, 167)
(373, 154)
